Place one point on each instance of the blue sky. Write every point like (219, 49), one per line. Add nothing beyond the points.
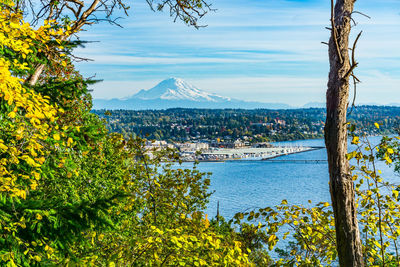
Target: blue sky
(262, 50)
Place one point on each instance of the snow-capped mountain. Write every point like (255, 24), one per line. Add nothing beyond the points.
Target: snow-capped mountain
(176, 93)
(178, 89)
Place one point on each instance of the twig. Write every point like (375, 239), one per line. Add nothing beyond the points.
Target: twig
(354, 96)
(358, 12)
(355, 77)
(353, 61)
(80, 59)
(355, 22)
(350, 71)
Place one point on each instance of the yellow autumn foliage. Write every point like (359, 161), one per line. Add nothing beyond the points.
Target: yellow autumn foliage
(30, 116)
(34, 144)
(23, 131)
(27, 127)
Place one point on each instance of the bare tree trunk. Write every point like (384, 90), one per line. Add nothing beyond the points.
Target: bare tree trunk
(32, 80)
(341, 184)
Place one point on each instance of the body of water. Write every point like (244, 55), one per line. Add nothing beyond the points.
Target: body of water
(244, 185)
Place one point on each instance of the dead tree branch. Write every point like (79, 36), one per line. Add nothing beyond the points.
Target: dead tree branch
(189, 11)
(353, 65)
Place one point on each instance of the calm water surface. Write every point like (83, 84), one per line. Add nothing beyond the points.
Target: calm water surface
(242, 185)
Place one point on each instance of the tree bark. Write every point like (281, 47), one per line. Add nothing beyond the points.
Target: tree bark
(348, 241)
(32, 80)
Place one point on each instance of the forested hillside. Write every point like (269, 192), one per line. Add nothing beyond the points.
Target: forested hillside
(255, 125)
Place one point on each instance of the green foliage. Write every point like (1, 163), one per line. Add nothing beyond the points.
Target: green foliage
(378, 199)
(160, 221)
(72, 193)
(311, 230)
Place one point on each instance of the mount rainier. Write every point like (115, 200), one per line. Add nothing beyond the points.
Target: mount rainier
(178, 89)
(177, 93)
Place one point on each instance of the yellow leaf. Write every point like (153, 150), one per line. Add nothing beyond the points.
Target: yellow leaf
(355, 140)
(376, 125)
(30, 161)
(56, 136)
(388, 160)
(3, 146)
(12, 114)
(69, 141)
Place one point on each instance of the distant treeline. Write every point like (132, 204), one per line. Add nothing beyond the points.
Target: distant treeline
(256, 125)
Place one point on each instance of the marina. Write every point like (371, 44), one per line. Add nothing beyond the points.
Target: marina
(246, 153)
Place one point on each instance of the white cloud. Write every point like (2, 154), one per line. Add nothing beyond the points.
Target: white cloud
(269, 37)
(132, 60)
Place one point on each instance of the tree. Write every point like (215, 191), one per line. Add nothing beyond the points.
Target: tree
(73, 194)
(341, 184)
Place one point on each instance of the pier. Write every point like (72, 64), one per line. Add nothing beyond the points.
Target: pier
(245, 153)
(315, 161)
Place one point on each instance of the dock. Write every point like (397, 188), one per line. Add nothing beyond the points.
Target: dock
(247, 153)
(310, 161)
